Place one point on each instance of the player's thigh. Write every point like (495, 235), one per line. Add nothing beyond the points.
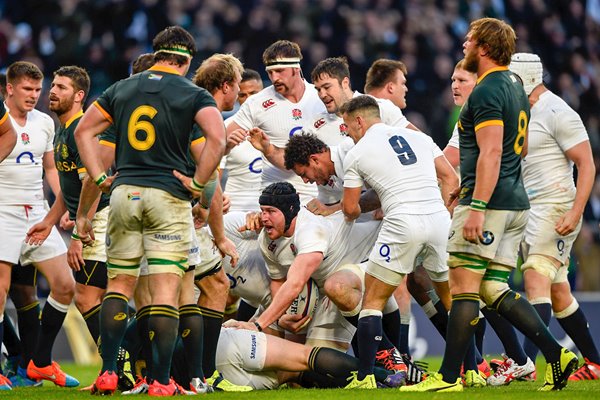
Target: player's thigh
(13, 225)
(329, 325)
(124, 230)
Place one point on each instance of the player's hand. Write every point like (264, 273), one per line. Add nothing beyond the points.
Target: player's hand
(235, 138)
(66, 223)
(75, 255)
(453, 200)
(378, 214)
(186, 181)
(253, 223)
(293, 323)
(38, 233)
(200, 215)
(318, 208)
(85, 230)
(227, 248)
(226, 203)
(567, 223)
(473, 228)
(105, 186)
(241, 325)
(259, 139)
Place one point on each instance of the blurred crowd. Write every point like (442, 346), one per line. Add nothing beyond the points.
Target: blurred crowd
(104, 36)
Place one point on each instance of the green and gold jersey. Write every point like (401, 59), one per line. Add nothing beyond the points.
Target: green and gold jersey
(69, 166)
(153, 115)
(497, 99)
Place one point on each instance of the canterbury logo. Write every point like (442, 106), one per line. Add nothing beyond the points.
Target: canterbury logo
(185, 333)
(268, 103)
(120, 316)
(319, 123)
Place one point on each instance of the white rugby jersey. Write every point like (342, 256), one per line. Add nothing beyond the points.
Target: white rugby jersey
(390, 113)
(21, 172)
(334, 189)
(554, 128)
(398, 163)
(328, 127)
(313, 233)
(279, 118)
(249, 279)
(244, 167)
(453, 142)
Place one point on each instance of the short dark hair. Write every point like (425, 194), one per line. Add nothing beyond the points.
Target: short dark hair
(79, 77)
(251, 75)
(300, 147)
(281, 49)
(172, 40)
(142, 63)
(334, 67)
(364, 102)
(383, 71)
(23, 69)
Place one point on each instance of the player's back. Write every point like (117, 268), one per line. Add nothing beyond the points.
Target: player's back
(398, 163)
(154, 114)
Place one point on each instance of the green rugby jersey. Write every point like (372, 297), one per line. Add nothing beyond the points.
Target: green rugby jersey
(497, 99)
(3, 113)
(69, 166)
(153, 115)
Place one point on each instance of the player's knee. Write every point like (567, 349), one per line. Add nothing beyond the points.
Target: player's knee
(540, 264)
(63, 290)
(491, 290)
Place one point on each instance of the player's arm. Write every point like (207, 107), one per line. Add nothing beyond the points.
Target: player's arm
(261, 142)
(8, 138)
(209, 156)
(50, 172)
(303, 266)
(489, 141)
(350, 203)
(92, 124)
(581, 155)
(452, 154)
(447, 177)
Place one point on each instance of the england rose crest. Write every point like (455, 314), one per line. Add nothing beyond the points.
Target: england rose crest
(296, 114)
(24, 138)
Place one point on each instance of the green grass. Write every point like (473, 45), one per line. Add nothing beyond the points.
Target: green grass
(588, 390)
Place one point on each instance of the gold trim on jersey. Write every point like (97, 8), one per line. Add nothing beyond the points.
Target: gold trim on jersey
(103, 111)
(108, 144)
(198, 141)
(73, 118)
(3, 119)
(163, 68)
(489, 71)
(492, 122)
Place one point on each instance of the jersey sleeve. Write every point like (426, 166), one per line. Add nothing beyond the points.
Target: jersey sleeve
(311, 238)
(569, 129)
(109, 137)
(352, 178)
(487, 108)
(49, 128)
(103, 102)
(453, 142)
(204, 99)
(274, 269)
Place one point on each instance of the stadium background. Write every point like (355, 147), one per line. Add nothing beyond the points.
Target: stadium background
(104, 36)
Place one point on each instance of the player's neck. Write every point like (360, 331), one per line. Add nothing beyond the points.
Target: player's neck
(20, 117)
(64, 118)
(535, 94)
(485, 64)
(295, 95)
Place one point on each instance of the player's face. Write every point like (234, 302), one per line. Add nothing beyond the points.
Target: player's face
(331, 92)
(313, 172)
(273, 221)
(283, 79)
(463, 83)
(471, 52)
(233, 88)
(62, 95)
(247, 89)
(401, 89)
(353, 127)
(25, 93)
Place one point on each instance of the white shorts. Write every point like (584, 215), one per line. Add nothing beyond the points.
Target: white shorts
(193, 256)
(540, 236)
(503, 229)
(15, 221)
(404, 239)
(97, 251)
(210, 256)
(328, 324)
(241, 357)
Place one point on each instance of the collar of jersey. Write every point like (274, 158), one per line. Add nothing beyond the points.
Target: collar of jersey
(163, 68)
(489, 71)
(73, 118)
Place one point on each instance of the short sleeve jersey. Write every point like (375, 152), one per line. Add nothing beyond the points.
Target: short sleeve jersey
(398, 163)
(497, 99)
(313, 233)
(333, 190)
(69, 166)
(22, 171)
(554, 129)
(153, 113)
(279, 118)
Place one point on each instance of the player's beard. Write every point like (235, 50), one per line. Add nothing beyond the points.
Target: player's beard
(472, 61)
(62, 106)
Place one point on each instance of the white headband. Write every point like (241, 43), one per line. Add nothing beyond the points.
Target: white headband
(529, 68)
(292, 62)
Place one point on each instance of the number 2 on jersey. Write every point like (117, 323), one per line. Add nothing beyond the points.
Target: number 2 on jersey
(136, 125)
(406, 155)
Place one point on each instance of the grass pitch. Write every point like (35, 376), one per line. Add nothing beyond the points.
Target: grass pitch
(588, 390)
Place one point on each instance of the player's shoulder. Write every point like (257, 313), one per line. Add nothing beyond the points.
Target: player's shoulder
(38, 116)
